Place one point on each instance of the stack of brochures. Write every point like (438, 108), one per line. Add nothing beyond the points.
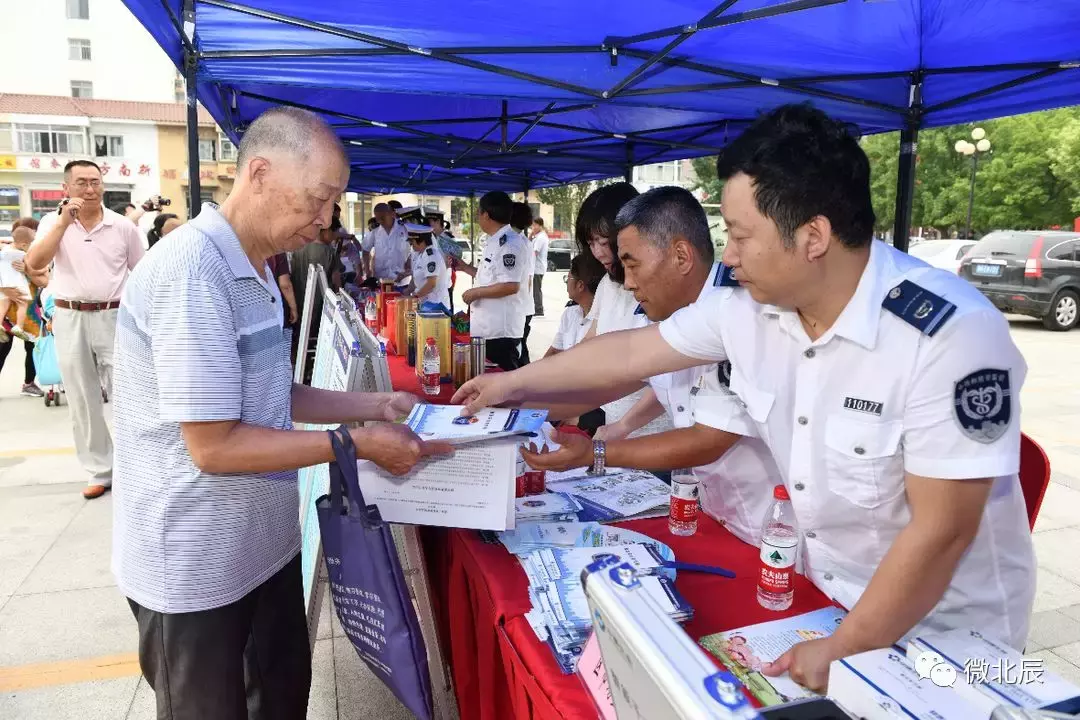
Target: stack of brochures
(560, 612)
(531, 536)
(445, 422)
(744, 650)
(615, 496)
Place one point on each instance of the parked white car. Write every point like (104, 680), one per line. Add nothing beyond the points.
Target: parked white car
(944, 254)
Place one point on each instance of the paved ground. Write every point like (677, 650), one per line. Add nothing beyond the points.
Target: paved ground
(67, 638)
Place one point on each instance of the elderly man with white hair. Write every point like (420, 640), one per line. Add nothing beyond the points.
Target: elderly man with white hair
(206, 536)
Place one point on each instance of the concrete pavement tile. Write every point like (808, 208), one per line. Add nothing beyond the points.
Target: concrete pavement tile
(361, 695)
(322, 703)
(1056, 551)
(65, 626)
(100, 700)
(1061, 661)
(325, 618)
(1052, 628)
(29, 526)
(80, 557)
(1053, 592)
(144, 706)
(1072, 611)
(1060, 508)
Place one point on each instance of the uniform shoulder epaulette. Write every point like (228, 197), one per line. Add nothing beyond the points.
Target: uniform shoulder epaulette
(430, 251)
(725, 277)
(639, 310)
(918, 307)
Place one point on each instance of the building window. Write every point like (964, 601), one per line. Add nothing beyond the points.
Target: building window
(58, 139)
(108, 146)
(228, 150)
(207, 150)
(78, 9)
(78, 49)
(82, 89)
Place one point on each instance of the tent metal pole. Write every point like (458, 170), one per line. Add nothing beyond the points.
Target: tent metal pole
(502, 126)
(472, 227)
(905, 174)
(528, 128)
(191, 64)
(177, 26)
(994, 89)
(628, 172)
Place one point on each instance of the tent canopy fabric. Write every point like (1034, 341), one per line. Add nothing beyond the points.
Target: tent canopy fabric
(473, 95)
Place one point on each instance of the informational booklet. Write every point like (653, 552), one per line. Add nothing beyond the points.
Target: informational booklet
(473, 488)
(445, 422)
(551, 564)
(883, 685)
(546, 506)
(616, 495)
(528, 537)
(745, 650)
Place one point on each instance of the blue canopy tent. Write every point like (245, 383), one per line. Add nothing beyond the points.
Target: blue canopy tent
(473, 95)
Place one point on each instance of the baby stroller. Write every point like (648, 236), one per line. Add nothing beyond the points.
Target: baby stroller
(45, 361)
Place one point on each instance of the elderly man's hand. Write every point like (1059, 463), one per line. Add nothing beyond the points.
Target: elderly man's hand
(575, 451)
(395, 448)
(397, 405)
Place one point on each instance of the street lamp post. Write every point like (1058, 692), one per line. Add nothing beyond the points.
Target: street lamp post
(981, 145)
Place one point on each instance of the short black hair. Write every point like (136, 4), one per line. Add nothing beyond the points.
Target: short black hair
(597, 217)
(80, 163)
(804, 164)
(394, 204)
(588, 270)
(521, 216)
(498, 206)
(122, 208)
(664, 213)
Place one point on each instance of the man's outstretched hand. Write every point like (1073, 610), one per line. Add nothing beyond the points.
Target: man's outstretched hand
(395, 448)
(487, 390)
(575, 451)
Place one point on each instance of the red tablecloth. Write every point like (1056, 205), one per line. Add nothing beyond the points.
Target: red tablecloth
(403, 377)
(500, 668)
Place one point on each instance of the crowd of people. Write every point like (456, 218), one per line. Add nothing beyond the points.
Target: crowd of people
(880, 392)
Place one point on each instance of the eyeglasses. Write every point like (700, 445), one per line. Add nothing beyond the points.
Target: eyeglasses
(83, 184)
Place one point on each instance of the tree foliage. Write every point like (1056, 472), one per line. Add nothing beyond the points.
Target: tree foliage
(566, 199)
(1030, 179)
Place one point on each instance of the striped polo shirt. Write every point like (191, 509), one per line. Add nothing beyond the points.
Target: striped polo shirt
(199, 338)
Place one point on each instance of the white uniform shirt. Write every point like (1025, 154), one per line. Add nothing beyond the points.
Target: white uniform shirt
(897, 384)
(540, 252)
(505, 259)
(614, 308)
(573, 325)
(425, 264)
(736, 490)
(391, 250)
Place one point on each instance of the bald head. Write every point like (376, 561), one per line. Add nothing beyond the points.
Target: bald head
(299, 133)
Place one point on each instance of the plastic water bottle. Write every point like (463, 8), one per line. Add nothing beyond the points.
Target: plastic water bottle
(682, 516)
(431, 366)
(779, 549)
(371, 315)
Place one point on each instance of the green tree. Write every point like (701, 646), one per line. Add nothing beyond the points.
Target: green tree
(707, 182)
(566, 199)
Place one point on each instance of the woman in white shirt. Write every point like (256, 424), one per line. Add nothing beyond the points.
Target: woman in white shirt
(430, 278)
(614, 308)
(581, 283)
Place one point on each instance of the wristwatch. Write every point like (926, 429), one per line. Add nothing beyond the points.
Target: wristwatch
(599, 451)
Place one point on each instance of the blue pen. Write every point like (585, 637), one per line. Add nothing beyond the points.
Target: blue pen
(693, 567)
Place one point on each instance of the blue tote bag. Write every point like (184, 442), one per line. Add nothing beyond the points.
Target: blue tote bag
(370, 595)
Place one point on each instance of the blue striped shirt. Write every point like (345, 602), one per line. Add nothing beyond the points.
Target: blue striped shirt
(199, 339)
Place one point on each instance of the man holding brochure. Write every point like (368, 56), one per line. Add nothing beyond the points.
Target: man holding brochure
(886, 391)
(667, 255)
(206, 537)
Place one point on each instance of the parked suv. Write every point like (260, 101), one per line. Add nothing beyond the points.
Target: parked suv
(1029, 273)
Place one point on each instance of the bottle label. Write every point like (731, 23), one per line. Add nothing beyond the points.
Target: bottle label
(777, 567)
(684, 502)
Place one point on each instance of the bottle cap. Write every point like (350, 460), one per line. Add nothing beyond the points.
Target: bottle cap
(780, 493)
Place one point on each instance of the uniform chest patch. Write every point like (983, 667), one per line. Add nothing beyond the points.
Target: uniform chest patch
(869, 407)
(509, 261)
(983, 405)
(723, 373)
(431, 267)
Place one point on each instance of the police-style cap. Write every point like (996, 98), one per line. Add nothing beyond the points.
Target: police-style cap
(417, 228)
(419, 214)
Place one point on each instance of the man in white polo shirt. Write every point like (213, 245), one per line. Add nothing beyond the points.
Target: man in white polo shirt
(93, 250)
(390, 243)
(206, 536)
